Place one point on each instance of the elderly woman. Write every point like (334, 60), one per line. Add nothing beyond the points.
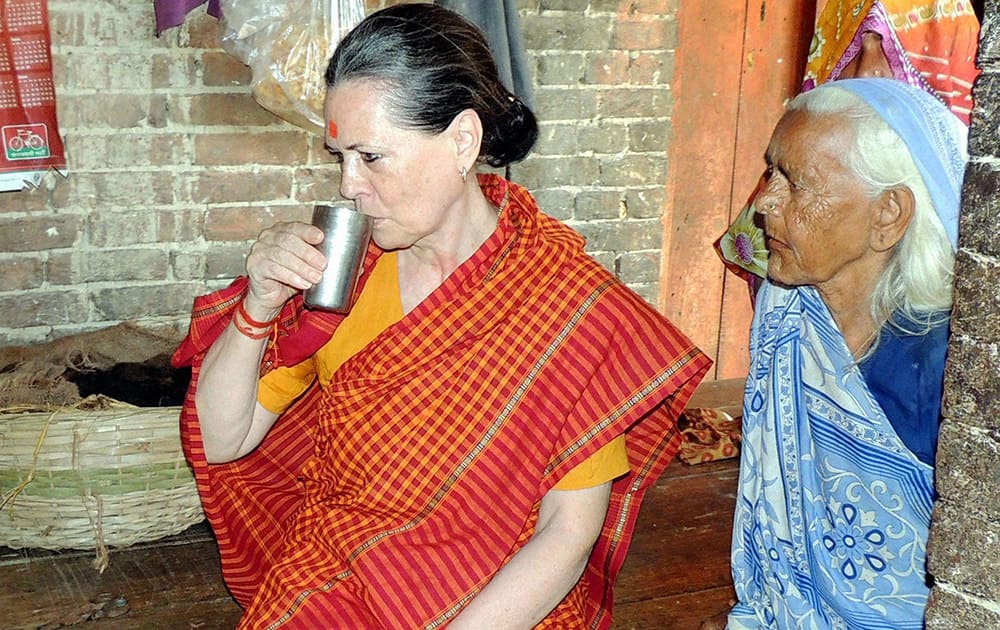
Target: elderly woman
(926, 43)
(848, 343)
(470, 445)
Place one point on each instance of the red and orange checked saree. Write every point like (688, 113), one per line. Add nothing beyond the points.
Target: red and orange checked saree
(392, 497)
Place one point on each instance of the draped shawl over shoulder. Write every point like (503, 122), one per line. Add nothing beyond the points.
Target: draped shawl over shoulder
(389, 499)
(833, 510)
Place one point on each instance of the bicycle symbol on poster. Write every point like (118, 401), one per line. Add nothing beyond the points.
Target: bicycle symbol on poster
(25, 139)
(25, 142)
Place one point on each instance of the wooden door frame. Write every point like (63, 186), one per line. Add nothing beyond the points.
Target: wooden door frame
(737, 62)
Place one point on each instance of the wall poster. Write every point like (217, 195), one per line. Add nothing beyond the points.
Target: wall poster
(29, 133)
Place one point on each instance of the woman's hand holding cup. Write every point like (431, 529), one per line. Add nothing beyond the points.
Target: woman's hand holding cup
(283, 261)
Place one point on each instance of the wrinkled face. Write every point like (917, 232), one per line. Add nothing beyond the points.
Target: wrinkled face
(407, 179)
(817, 214)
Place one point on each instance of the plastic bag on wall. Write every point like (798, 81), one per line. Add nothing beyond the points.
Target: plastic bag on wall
(287, 46)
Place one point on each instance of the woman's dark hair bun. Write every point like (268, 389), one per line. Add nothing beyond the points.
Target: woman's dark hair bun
(511, 135)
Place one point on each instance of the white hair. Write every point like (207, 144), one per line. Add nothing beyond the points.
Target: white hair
(917, 283)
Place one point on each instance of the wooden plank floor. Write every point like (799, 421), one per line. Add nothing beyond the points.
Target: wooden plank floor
(677, 570)
(676, 573)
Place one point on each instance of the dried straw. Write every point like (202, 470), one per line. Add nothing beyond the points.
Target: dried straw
(93, 475)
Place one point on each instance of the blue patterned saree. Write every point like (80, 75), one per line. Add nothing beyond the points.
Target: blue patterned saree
(833, 510)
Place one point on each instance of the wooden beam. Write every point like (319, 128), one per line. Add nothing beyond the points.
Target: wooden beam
(776, 47)
(737, 61)
(700, 162)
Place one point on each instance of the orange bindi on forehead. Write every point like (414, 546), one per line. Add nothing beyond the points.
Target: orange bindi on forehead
(333, 129)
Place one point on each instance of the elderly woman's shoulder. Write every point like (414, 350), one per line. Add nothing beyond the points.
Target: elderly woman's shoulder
(924, 341)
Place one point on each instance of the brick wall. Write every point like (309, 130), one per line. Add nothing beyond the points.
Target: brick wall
(965, 534)
(173, 169)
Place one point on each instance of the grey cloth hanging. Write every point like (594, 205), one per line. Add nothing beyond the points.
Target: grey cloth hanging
(499, 21)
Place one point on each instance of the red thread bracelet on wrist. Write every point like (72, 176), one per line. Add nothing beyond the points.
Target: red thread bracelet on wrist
(247, 331)
(250, 320)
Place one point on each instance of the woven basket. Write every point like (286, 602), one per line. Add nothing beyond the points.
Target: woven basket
(86, 478)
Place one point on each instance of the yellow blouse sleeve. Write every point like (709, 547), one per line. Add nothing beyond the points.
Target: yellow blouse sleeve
(279, 388)
(608, 462)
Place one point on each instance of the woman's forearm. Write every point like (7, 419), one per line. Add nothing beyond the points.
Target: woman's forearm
(232, 423)
(282, 262)
(540, 575)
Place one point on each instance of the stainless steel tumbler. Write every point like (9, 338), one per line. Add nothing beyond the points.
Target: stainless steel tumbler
(346, 235)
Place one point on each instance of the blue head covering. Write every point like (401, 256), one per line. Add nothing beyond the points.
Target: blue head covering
(935, 137)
